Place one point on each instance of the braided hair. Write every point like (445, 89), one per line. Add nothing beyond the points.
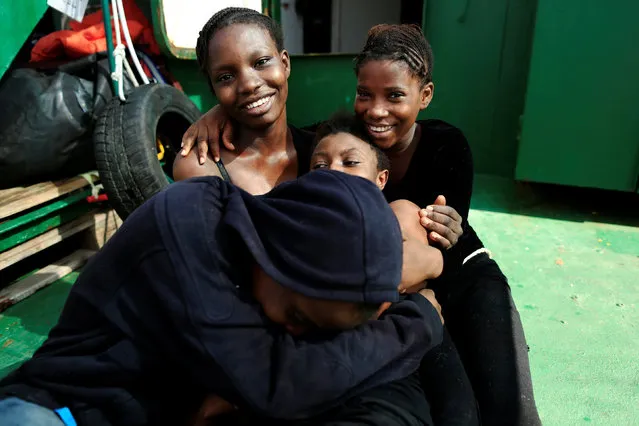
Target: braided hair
(405, 42)
(230, 16)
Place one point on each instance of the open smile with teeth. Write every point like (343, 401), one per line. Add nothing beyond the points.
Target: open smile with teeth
(379, 129)
(258, 102)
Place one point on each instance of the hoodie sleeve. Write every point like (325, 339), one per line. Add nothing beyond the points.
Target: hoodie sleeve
(224, 345)
(449, 171)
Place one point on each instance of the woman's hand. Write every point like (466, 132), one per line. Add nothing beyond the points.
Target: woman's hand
(420, 261)
(206, 132)
(443, 223)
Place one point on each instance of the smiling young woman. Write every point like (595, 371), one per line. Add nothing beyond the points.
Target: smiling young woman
(432, 166)
(241, 53)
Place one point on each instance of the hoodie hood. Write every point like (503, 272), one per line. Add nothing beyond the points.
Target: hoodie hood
(326, 235)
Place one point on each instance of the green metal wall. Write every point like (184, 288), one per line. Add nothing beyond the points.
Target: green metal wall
(17, 19)
(482, 50)
(581, 125)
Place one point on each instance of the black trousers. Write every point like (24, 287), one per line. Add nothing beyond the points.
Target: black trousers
(400, 403)
(485, 327)
(439, 394)
(447, 387)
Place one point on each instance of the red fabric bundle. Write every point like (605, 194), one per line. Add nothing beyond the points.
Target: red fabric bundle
(87, 37)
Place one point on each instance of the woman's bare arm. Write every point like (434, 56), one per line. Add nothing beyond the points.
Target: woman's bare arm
(421, 261)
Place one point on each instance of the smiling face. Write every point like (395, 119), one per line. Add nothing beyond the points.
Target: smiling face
(389, 97)
(349, 154)
(300, 314)
(248, 74)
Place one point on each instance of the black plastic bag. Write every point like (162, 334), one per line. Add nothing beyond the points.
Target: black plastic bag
(46, 123)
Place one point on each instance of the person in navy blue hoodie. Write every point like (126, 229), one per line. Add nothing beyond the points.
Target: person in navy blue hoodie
(262, 300)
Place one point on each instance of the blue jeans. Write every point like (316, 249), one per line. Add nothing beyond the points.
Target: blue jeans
(18, 412)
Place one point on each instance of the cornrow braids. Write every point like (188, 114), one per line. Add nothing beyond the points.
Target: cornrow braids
(230, 16)
(405, 42)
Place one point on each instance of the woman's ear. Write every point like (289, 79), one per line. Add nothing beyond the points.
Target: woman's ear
(382, 179)
(286, 60)
(426, 95)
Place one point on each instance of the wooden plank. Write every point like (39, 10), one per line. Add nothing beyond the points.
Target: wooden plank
(24, 288)
(21, 220)
(14, 239)
(15, 200)
(97, 236)
(50, 238)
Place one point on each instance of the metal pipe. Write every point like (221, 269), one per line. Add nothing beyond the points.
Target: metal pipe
(109, 39)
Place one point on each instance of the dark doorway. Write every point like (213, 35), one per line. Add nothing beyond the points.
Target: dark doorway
(412, 11)
(317, 16)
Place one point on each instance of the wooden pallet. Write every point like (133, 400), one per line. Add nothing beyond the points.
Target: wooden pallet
(24, 288)
(38, 206)
(99, 226)
(19, 199)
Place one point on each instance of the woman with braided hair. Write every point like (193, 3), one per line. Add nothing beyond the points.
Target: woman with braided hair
(432, 166)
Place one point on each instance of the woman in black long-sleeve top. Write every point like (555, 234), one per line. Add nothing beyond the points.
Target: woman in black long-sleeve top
(432, 166)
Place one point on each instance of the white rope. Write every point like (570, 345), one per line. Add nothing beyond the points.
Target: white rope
(119, 53)
(116, 21)
(129, 43)
(129, 71)
(91, 177)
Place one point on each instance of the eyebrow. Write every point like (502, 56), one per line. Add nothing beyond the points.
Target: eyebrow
(343, 152)
(388, 89)
(346, 151)
(395, 89)
(220, 68)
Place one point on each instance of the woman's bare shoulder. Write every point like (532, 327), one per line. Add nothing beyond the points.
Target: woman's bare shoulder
(189, 166)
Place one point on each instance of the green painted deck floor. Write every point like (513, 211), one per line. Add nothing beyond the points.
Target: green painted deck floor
(573, 269)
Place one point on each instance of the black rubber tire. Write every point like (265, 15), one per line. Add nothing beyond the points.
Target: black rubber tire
(125, 142)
